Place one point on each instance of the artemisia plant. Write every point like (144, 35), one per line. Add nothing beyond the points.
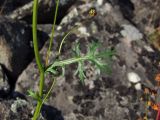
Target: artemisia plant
(97, 57)
(152, 93)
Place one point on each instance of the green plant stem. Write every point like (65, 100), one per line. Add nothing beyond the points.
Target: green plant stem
(49, 91)
(37, 111)
(65, 36)
(59, 52)
(39, 105)
(52, 34)
(37, 57)
(70, 61)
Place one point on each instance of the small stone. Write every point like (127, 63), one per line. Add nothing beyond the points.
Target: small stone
(70, 98)
(138, 86)
(99, 2)
(133, 77)
(83, 31)
(148, 48)
(124, 101)
(59, 28)
(91, 85)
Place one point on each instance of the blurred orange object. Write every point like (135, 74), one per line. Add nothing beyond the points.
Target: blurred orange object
(157, 78)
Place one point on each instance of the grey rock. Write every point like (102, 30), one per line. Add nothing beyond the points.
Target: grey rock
(23, 109)
(4, 111)
(131, 33)
(15, 110)
(147, 14)
(105, 97)
(142, 14)
(19, 103)
(83, 101)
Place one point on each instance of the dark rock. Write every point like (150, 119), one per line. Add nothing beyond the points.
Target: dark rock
(46, 8)
(16, 50)
(7, 6)
(4, 86)
(3, 80)
(51, 113)
(126, 7)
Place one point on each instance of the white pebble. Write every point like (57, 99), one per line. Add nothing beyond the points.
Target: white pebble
(138, 86)
(148, 48)
(133, 77)
(99, 2)
(83, 31)
(59, 28)
(91, 85)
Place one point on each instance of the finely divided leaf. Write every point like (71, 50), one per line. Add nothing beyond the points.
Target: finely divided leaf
(34, 95)
(80, 71)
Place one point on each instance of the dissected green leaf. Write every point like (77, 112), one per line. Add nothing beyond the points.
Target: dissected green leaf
(93, 55)
(52, 70)
(105, 54)
(80, 71)
(93, 48)
(34, 95)
(76, 50)
(55, 70)
(102, 66)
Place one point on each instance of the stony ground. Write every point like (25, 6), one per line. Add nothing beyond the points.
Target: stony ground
(121, 25)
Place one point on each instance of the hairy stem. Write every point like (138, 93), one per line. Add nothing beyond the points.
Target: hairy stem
(69, 61)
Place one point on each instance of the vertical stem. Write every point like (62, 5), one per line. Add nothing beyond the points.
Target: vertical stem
(37, 57)
(52, 35)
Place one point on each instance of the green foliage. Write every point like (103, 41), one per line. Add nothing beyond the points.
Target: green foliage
(58, 66)
(54, 71)
(92, 55)
(34, 95)
(80, 69)
(100, 58)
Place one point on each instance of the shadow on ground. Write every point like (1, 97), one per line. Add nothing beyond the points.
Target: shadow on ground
(51, 113)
